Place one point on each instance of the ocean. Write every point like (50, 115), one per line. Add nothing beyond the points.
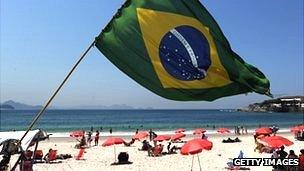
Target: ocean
(61, 121)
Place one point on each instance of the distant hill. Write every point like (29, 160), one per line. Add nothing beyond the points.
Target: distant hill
(17, 105)
(282, 104)
(6, 107)
(10, 104)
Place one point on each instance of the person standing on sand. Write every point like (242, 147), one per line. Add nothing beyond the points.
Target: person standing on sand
(136, 131)
(110, 130)
(150, 135)
(96, 138)
(89, 138)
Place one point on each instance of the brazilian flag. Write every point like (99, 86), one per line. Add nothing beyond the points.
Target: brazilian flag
(176, 49)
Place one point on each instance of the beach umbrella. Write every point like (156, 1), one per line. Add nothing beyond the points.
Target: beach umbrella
(76, 134)
(297, 128)
(223, 130)
(263, 131)
(179, 130)
(140, 135)
(195, 146)
(275, 141)
(199, 131)
(177, 136)
(112, 141)
(161, 138)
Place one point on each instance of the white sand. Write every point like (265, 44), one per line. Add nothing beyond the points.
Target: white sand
(98, 158)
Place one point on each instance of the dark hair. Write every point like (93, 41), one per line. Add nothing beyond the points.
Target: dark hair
(302, 151)
(291, 152)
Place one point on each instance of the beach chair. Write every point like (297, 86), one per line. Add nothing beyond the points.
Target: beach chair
(80, 154)
(38, 155)
(157, 151)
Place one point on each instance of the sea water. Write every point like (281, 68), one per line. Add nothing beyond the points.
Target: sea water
(127, 121)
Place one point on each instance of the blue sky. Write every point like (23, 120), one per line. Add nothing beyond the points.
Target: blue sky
(41, 40)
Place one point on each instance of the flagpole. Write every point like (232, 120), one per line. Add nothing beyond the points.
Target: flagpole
(53, 96)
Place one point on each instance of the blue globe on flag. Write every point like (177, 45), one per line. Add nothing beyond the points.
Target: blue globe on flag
(185, 53)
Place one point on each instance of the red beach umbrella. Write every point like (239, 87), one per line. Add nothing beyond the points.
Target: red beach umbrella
(223, 130)
(112, 141)
(276, 141)
(263, 131)
(297, 128)
(140, 135)
(179, 130)
(76, 134)
(161, 138)
(196, 146)
(199, 131)
(177, 136)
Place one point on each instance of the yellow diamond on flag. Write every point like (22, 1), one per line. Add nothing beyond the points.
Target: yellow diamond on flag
(182, 51)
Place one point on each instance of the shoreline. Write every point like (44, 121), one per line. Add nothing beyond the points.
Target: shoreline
(172, 132)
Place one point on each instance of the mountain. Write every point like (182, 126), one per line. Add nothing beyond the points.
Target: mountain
(17, 105)
(116, 106)
(6, 107)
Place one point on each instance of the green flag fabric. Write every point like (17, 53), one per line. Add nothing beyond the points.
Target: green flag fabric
(177, 50)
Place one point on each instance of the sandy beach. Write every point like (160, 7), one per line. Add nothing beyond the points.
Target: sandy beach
(98, 158)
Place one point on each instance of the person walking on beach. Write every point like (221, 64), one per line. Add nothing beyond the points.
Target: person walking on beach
(96, 138)
(242, 128)
(110, 130)
(89, 140)
(235, 130)
(136, 131)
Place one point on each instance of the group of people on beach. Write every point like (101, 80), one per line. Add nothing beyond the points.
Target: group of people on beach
(282, 154)
(238, 130)
(156, 149)
(86, 142)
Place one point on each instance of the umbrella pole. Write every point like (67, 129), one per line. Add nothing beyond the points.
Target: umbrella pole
(114, 154)
(192, 162)
(199, 162)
